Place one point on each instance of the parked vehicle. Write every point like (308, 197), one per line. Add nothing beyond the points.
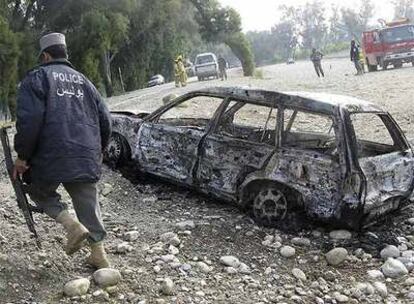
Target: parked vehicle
(335, 158)
(290, 61)
(206, 65)
(390, 45)
(156, 80)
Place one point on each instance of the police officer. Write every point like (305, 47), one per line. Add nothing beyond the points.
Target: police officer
(63, 125)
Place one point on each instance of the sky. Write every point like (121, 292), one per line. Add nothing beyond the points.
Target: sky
(259, 15)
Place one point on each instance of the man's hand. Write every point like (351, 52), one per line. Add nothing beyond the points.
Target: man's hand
(20, 167)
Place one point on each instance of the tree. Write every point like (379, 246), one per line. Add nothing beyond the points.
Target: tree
(403, 9)
(353, 22)
(9, 55)
(314, 28)
(218, 24)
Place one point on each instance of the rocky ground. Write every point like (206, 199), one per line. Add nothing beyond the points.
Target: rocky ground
(172, 245)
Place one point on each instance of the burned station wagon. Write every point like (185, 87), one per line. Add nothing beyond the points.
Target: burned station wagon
(338, 159)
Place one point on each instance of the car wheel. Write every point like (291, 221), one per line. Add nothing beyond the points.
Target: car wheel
(117, 150)
(270, 205)
(398, 65)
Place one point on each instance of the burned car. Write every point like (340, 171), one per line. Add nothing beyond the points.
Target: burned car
(337, 159)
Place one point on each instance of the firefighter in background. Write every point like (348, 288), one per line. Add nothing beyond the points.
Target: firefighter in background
(180, 73)
(355, 55)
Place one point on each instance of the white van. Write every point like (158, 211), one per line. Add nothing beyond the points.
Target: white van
(206, 66)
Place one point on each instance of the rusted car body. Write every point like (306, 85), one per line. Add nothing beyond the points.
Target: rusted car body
(274, 152)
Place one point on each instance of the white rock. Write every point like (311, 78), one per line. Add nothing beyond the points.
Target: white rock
(150, 200)
(375, 275)
(304, 242)
(124, 247)
(299, 274)
(340, 297)
(410, 296)
(167, 287)
(203, 267)
(168, 258)
(157, 268)
(381, 289)
(287, 251)
(230, 261)
(185, 267)
(185, 225)
(408, 254)
(244, 269)
(231, 270)
(106, 277)
(336, 256)
(76, 288)
(340, 235)
(409, 282)
(131, 236)
(107, 189)
(101, 295)
(393, 268)
(411, 221)
(173, 250)
(365, 288)
(390, 252)
(408, 262)
(170, 238)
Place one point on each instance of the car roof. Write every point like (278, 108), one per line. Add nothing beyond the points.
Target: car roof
(311, 101)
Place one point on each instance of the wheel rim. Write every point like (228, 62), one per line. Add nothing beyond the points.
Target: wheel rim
(270, 205)
(114, 149)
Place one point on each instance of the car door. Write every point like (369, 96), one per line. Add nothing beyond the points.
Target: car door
(168, 142)
(242, 142)
(385, 159)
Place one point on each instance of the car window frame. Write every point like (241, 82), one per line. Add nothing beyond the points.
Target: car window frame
(335, 128)
(154, 116)
(397, 135)
(240, 103)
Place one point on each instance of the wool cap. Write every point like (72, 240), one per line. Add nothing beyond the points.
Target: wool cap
(51, 39)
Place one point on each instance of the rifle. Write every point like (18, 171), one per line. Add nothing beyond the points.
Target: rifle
(19, 187)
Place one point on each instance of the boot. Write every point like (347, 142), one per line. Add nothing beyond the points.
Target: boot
(76, 233)
(98, 256)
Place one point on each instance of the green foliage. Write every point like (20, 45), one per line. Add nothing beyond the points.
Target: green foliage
(258, 74)
(404, 9)
(9, 54)
(241, 47)
(218, 24)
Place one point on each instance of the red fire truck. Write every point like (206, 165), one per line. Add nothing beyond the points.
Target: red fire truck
(392, 44)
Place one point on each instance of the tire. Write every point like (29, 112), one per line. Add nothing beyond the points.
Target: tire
(117, 152)
(398, 65)
(372, 67)
(270, 205)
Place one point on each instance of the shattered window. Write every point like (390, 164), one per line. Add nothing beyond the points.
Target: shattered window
(194, 112)
(309, 131)
(250, 122)
(369, 127)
